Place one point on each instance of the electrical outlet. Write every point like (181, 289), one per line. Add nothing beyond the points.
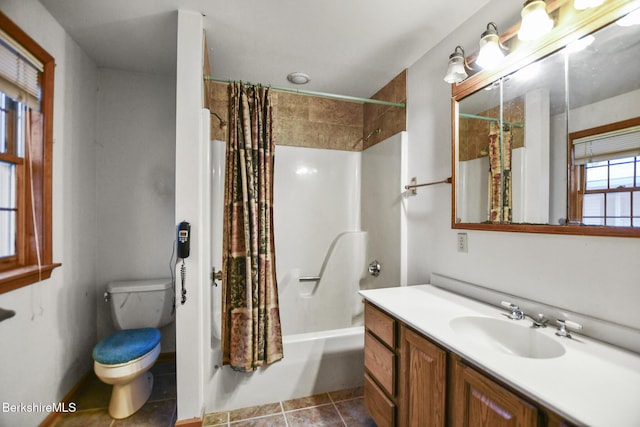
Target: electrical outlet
(462, 242)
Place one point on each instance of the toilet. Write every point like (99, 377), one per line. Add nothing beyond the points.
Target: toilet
(123, 359)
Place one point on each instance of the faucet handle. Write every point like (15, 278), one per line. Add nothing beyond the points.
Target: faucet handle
(516, 313)
(563, 324)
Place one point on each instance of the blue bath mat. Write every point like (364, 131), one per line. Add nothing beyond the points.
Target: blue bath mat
(125, 346)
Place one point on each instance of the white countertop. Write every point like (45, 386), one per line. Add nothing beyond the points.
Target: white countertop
(591, 383)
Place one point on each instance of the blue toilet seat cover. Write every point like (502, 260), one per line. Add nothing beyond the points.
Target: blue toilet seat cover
(126, 345)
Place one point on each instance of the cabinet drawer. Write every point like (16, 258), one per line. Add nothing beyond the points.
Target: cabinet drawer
(380, 324)
(381, 409)
(380, 362)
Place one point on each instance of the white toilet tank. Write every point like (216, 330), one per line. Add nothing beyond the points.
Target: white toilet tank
(141, 303)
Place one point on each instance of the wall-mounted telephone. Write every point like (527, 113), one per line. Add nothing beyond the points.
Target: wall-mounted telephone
(184, 244)
(184, 239)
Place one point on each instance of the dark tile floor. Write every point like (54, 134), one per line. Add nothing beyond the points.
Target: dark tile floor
(342, 408)
(92, 401)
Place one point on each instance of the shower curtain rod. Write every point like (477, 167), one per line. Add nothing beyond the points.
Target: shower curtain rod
(320, 94)
(490, 119)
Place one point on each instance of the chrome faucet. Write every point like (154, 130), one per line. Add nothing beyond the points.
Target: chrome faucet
(539, 321)
(516, 313)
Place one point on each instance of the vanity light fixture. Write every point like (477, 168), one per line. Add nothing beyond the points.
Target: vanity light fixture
(586, 4)
(490, 53)
(456, 71)
(535, 20)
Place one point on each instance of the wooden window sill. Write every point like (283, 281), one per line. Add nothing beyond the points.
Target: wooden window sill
(23, 276)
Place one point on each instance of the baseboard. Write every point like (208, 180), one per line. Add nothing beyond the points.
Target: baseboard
(191, 422)
(53, 416)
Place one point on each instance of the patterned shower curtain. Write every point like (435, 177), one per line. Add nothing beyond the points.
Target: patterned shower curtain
(500, 204)
(251, 333)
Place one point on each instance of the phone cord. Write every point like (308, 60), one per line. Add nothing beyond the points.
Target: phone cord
(183, 277)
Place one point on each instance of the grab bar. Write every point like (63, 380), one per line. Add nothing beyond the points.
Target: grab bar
(6, 314)
(309, 278)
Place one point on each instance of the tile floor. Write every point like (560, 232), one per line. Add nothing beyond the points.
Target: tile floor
(92, 401)
(334, 409)
(339, 408)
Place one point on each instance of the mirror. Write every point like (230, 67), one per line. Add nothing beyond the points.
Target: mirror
(518, 134)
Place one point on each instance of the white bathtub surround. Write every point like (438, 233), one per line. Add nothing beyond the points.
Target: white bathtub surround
(317, 233)
(317, 221)
(314, 363)
(384, 174)
(331, 302)
(600, 384)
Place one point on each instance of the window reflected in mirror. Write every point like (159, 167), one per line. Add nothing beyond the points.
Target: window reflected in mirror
(605, 175)
(557, 142)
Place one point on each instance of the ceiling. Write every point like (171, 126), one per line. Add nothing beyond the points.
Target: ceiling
(351, 47)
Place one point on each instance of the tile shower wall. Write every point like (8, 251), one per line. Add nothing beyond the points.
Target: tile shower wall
(314, 122)
(390, 120)
(300, 120)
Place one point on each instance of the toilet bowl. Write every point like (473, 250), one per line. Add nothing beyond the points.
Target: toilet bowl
(123, 359)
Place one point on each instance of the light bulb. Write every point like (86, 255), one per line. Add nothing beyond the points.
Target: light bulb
(535, 21)
(490, 53)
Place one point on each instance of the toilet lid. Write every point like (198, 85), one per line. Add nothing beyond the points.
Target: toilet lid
(126, 345)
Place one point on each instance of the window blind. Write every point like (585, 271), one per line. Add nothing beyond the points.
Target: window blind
(19, 72)
(607, 146)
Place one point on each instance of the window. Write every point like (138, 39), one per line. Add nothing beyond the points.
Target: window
(605, 175)
(26, 132)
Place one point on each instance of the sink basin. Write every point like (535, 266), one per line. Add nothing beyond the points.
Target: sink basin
(507, 336)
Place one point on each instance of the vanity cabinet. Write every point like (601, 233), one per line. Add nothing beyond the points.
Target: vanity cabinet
(423, 377)
(405, 374)
(380, 362)
(410, 381)
(478, 401)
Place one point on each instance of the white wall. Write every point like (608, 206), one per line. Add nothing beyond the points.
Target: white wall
(593, 275)
(46, 347)
(192, 204)
(135, 171)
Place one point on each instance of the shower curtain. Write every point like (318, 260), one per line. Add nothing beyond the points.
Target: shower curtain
(500, 153)
(251, 333)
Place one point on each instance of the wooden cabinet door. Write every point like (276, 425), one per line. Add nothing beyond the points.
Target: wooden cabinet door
(422, 381)
(477, 401)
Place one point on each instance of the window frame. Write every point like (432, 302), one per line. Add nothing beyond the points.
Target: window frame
(26, 267)
(577, 173)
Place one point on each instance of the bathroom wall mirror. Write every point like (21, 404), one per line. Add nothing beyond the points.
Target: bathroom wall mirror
(550, 143)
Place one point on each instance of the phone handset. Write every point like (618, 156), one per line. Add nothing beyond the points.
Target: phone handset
(184, 245)
(184, 239)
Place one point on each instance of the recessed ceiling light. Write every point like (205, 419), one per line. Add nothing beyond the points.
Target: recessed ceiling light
(299, 78)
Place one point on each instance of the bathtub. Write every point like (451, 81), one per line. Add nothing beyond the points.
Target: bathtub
(313, 363)
(332, 357)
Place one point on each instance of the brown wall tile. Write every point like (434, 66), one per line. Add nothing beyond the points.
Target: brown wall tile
(390, 120)
(474, 133)
(310, 121)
